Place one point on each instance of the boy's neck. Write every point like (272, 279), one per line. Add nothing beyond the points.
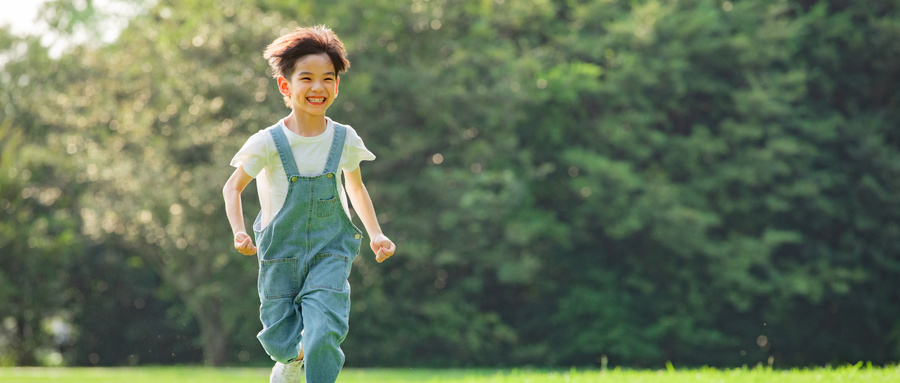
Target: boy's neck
(305, 125)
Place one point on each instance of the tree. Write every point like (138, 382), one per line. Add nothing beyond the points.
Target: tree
(39, 230)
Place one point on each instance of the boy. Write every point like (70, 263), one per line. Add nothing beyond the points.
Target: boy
(306, 243)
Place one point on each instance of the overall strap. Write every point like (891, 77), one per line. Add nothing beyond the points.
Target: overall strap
(284, 151)
(337, 148)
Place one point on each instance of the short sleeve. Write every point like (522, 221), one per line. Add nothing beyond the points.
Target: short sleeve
(354, 151)
(253, 154)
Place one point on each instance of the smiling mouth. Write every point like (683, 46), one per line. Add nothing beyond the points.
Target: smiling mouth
(316, 100)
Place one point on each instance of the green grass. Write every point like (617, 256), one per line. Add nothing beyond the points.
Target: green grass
(855, 373)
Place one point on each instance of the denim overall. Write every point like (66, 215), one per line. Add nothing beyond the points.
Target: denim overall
(304, 256)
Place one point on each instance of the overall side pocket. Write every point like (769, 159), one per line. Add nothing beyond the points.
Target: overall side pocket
(278, 278)
(329, 271)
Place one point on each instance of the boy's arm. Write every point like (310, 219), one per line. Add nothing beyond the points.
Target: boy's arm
(232, 192)
(362, 204)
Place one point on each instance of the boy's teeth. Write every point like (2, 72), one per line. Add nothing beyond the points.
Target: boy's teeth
(316, 99)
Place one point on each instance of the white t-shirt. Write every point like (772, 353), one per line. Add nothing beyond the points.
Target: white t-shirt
(261, 161)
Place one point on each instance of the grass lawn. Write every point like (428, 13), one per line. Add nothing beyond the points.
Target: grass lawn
(856, 373)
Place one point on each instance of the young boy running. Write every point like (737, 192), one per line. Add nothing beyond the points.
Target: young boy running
(306, 240)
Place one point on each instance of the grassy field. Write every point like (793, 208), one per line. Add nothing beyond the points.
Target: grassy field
(856, 373)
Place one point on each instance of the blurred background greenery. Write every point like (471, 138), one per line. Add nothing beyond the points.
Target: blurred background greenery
(570, 182)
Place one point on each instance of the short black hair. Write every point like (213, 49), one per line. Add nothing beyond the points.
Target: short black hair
(285, 51)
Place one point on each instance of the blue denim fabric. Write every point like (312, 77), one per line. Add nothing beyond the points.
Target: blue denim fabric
(304, 256)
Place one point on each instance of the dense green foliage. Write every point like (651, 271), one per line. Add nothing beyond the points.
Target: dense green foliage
(569, 183)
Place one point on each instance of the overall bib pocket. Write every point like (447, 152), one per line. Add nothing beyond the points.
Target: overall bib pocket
(278, 278)
(329, 271)
(325, 207)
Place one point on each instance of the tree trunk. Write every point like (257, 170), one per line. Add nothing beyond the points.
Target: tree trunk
(212, 334)
(23, 343)
(205, 309)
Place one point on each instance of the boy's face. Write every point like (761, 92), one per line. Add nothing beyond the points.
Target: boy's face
(313, 86)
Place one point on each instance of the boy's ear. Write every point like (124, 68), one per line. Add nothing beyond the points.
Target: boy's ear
(337, 83)
(283, 86)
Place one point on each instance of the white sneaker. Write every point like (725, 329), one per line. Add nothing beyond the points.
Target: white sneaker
(287, 373)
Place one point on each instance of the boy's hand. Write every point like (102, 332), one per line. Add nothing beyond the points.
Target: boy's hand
(383, 247)
(244, 244)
